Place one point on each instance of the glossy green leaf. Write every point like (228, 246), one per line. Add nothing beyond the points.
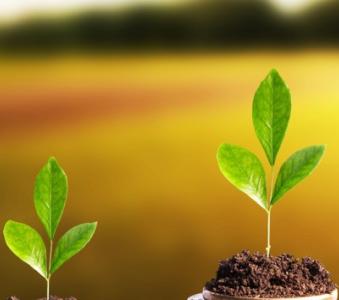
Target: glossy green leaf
(27, 244)
(244, 170)
(50, 195)
(271, 113)
(71, 243)
(298, 166)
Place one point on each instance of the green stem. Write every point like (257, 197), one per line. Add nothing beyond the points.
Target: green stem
(49, 267)
(268, 248)
(48, 288)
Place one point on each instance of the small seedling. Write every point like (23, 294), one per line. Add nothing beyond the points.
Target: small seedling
(50, 196)
(270, 114)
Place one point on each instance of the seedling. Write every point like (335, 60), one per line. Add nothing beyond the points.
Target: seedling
(270, 114)
(50, 196)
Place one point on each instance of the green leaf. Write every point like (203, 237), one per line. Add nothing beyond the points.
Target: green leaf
(27, 244)
(50, 195)
(270, 113)
(71, 243)
(298, 166)
(244, 170)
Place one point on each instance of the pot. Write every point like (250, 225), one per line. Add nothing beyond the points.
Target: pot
(207, 295)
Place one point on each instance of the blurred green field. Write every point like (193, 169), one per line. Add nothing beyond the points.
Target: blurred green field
(137, 136)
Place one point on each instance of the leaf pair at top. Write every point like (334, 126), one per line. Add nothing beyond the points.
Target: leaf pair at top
(270, 113)
(50, 196)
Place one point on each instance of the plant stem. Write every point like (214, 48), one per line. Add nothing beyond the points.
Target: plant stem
(268, 248)
(49, 267)
(48, 288)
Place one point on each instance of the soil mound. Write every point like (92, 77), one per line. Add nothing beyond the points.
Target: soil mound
(256, 275)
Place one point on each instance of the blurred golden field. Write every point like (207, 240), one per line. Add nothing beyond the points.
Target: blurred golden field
(137, 136)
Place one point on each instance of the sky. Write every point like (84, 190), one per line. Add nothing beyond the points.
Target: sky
(15, 9)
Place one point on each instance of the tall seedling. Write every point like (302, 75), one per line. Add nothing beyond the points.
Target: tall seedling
(270, 114)
(50, 196)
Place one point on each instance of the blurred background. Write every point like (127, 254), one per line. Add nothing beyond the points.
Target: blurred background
(133, 98)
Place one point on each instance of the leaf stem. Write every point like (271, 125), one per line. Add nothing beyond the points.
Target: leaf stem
(268, 248)
(48, 279)
(49, 267)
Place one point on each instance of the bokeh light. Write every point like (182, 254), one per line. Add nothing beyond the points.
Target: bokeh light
(293, 6)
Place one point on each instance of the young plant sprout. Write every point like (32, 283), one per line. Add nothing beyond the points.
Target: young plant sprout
(270, 113)
(50, 196)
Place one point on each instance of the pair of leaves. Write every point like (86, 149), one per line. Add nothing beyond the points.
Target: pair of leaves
(245, 171)
(27, 244)
(50, 196)
(271, 112)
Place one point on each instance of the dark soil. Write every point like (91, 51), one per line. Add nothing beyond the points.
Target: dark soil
(256, 275)
(51, 298)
